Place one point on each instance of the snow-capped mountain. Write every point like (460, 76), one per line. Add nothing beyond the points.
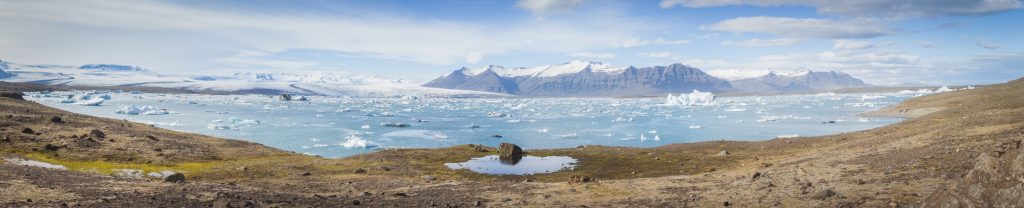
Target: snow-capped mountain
(578, 78)
(313, 83)
(111, 67)
(800, 81)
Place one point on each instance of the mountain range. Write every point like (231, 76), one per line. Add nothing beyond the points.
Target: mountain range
(311, 83)
(596, 79)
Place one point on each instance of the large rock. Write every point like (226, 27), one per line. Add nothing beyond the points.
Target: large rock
(510, 153)
(995, 181)
(175, 178)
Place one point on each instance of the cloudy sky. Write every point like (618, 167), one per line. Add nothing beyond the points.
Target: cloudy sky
(885, 42)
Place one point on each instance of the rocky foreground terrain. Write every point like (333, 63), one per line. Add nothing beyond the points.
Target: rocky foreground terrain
(956, 149)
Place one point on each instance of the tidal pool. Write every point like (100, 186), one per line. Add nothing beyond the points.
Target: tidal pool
(528, 165)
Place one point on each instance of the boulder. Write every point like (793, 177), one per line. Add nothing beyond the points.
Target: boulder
(56, 119)
(724, 153)
(510, 153)
(97, 134)
(175, 178)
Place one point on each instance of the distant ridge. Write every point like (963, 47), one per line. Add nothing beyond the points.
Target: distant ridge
(596, 79)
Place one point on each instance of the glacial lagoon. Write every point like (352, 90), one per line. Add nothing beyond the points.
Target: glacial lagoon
(342, 126)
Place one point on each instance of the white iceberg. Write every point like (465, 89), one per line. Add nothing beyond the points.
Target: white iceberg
(144, 110)
(239, 121)
(696, 98)
(356, 142)
(96, 101)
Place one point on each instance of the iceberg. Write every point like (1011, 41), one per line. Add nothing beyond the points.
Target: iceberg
(144, 110)
(239, 121)
(943, 89)
(96, 101)
(354, 141)
(696, 98)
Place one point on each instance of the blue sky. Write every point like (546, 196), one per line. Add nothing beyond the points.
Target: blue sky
(933, 42)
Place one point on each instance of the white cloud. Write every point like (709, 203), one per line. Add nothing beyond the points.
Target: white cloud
(161, 35)
(985, 44)
(927, 44)
(474, 57)
(861, 8)
(591, 55)
(540, 7)
(797, 28)
(857, 45)
(633, 42)
(655, 54)
(761, 43)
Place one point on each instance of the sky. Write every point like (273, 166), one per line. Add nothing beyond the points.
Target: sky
(884, 42)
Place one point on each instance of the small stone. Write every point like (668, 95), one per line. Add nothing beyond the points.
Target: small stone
(307, 174)
(27, 131)
(175, 178)
(823, 194)
(356, 202)
(478, 203)
(726, 203)
(51, 147)
(756, 175)
(580, 179)
(723, 153)
(243, 168)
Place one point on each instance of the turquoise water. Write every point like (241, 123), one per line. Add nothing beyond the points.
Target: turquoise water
(340, 126)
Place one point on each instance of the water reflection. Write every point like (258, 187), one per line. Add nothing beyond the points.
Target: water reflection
(523, 165)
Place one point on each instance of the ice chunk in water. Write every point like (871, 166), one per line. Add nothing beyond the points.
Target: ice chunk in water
(356, 142)
(696, 98)
(96, 101)
(144, 110)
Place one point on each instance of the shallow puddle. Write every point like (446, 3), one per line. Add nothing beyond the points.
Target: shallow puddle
(528, 165)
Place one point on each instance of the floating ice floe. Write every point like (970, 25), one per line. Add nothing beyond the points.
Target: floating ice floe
(735, 110)
(144, 110)
(96, 101)
(494, 114)
(240, 121)
(695, 127)
(353, 141)
(395, 124)
(696, 98)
